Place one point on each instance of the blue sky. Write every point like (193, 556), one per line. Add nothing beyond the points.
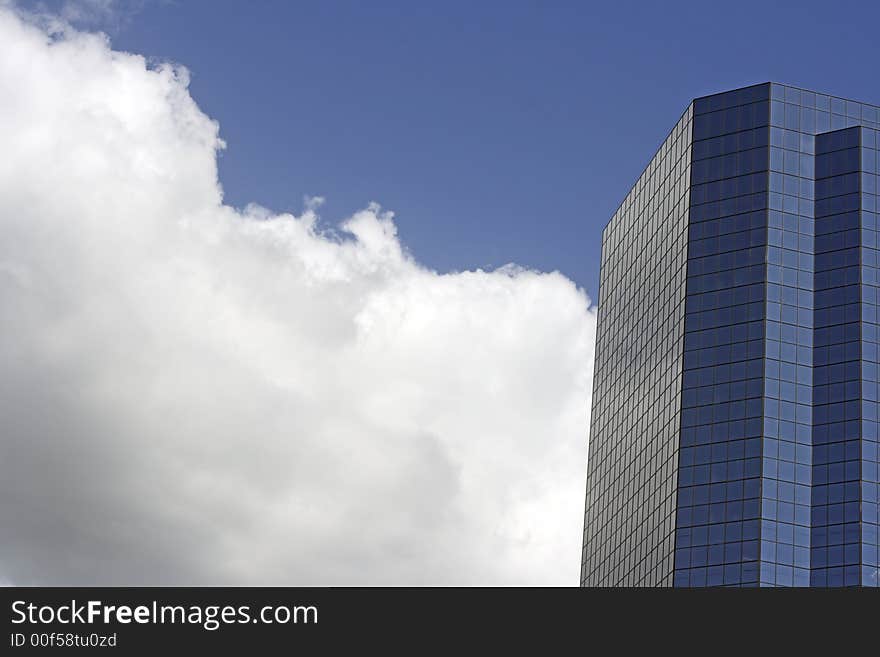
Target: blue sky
(496, 132)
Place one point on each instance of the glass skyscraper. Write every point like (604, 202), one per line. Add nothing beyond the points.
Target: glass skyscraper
(734, 432)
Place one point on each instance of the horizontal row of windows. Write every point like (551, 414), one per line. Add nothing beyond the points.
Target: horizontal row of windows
(835, 241)
(724, 392)
(792, 140)
(792, 163)
(732, 98)
(824, 436)
(805, 119)
(823, 102)
(788, 431)
(790, 297)
(791, 353)
(834, 224)
(837, 164)
(827, 317)
(794, 555)
(733, 296)
(834, 205)
(787, 471)
(707, 434)
(735, 410)
(724, 197)
(786, 491)
(783, 371)
(786, 512)
(849, 576)
(728, 242)
(740, 163)
(790, 204)
(845, 450)
(791, 185)
(733, 119)
(730, 575)
(845, 492)
(838, 140)
(779, 278)
(729, 269)
(844, 259)
(736, 141)
(822, 557)
(842, 431)
(836, 373)
(737, 371)
(826, 278)
(837, 412)
(725, 532)
(870, 241)
(734, 333)
(721, 451)
(853, 331)
(747, 312)
(729, 188)
(775, 389)
(836, 392)
(836, 297)
(870, 472)
(776, 274)
(836, 473)
(731, 224)
(789, 243)
(705, 514)
(833, 514)
(730, 206)
(790, 222)
(707, 356)
(712, 555)
(834, 354)
(837, 186)
(850, 410)
(870, 136)
(870, 161)
(787, 450)
(782, 532)
(719, 492)
(850, 532)
(870, 276)
(716, 472)
(782, 553)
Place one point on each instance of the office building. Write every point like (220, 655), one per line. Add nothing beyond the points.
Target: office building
(734, 428)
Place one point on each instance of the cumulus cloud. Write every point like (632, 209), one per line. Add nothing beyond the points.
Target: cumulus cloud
(192, 393)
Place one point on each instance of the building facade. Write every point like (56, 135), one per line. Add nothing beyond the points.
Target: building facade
(734, 430)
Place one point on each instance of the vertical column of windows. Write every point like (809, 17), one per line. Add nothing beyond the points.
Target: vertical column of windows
(718, 504)
(787, 433)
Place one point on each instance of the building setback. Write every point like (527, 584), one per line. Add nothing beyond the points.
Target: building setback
(734, 429)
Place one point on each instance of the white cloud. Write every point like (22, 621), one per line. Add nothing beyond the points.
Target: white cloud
(193, 394)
